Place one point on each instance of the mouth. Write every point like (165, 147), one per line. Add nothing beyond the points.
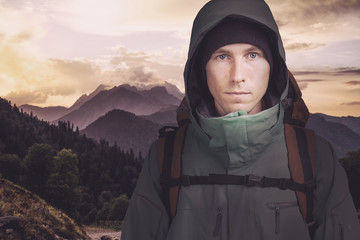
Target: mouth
(238, 93)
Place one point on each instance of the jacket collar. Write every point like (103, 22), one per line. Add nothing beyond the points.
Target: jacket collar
(243, 136)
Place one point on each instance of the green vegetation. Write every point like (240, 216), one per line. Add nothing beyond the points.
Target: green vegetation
(41, 221)
(90, 181)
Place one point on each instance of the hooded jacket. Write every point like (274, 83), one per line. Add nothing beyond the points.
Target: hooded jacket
(239, 144)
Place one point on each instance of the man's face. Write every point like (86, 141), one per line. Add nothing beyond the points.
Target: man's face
(237, 77)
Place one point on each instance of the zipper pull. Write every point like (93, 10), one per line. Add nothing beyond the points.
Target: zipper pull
(218, 223)
(277, 219)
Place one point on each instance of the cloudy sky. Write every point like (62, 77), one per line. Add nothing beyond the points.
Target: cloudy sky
(52, 52)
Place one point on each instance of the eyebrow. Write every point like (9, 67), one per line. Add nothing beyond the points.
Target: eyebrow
(221, 50)
(225, 51)
(254, 48)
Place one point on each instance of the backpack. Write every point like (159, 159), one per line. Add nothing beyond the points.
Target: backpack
(300, 143)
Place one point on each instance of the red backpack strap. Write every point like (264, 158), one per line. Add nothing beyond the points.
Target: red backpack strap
(170, 147)
(296, 112)
(182, 113)
(301, 147)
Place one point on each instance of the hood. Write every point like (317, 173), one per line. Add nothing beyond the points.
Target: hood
(215, 11)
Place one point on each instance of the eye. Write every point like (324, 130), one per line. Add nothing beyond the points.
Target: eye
(253, 55)
(222, 56)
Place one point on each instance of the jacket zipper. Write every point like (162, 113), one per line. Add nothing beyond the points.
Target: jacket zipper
(277, 207)
(218, 224)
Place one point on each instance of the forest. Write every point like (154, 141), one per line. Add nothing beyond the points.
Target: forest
(90, 181)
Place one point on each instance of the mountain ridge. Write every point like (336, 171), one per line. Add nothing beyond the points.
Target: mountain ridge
(124, 129)
(138, 102)
(342, 137)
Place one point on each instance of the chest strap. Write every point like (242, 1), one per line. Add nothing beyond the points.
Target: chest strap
(246, 180)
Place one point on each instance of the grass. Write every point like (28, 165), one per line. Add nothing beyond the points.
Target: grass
(41, 219)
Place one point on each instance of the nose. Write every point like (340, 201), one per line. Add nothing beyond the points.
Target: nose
(238, 71)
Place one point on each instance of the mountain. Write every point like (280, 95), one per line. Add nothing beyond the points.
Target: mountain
(52, 113)
(46, 113)
(342, 137)
(166, 116)
(84, 98)
(172, 89)
(125, 129)
(122, 97)
(351, 122)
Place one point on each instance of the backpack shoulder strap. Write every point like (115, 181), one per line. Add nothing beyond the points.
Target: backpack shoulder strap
(301, 146)
(296, 112)
(300, 143)
(170, 146)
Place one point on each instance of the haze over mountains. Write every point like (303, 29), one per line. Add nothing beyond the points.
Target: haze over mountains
(52, 113)
(131, 117)
(88, 108)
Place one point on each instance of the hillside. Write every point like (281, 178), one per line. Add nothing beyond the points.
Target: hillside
(124, 128)
(38, 219)
(339, 135)
(76, 174)
(46, 113)
(166, 116)
(349, 121)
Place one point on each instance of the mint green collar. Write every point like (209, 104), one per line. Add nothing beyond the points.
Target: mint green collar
(244, 136)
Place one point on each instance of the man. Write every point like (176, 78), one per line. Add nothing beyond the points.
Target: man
(237, 86)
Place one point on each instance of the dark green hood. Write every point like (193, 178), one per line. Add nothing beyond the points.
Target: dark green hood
(215, 11)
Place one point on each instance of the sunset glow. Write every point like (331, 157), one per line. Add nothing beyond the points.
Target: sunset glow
(52, 52)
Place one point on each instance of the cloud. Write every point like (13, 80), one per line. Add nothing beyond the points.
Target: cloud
(303, 46)
(114, 17)
(356, 103)
(130, 58)
(310, 80)
(21, 37)
(310, 11)
(26, 78)
(296, 73)
(20, 22)
(139, 75)
(138, 67)
(303, 85)
(78, 70)
(316, 22)
(352, 82)
(348, 71)
(23, 97)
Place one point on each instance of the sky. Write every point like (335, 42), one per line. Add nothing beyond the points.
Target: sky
(52, 52)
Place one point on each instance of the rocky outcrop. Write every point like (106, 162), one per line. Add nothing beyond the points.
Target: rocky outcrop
(11, 227)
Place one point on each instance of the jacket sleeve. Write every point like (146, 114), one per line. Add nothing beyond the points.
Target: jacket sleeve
(146, 217)
(334, 207)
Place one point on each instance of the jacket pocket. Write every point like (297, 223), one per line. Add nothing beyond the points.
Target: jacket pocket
(278, 207)
(218, 224)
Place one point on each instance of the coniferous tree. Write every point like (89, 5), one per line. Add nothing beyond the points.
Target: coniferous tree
(62, 185)
(38, 165)
(10, 167)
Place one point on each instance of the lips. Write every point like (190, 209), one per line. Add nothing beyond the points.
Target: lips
(238, 93)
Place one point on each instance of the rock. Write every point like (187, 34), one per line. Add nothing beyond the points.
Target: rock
(11, 222)
(106, 237)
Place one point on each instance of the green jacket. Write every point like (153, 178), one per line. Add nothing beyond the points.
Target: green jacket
(239, 144)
